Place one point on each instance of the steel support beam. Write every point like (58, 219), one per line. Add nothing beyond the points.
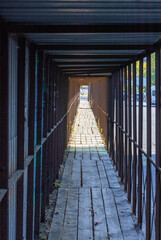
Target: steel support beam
(135, 139)
(148, 190)
(38, 140)
(129, 131)
(103, 28)
(92, 56)
(158, 144)
(140, 163)
(97, 47)
(20, 135)
(4, 92)
(32, 57)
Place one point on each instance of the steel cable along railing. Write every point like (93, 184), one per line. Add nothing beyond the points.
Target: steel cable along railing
(139, 171)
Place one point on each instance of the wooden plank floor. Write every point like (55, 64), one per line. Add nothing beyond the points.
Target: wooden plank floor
(91, 203)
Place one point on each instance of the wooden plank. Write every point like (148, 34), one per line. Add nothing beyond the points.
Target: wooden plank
(125, 214)
(67, 175)
(102, 174)
(111, 213)
(111, 174)
(58, 218)
(100, 224)
(85, 215)
(71, 216)
(79, 153)
(86, 153)
(76, 174)
(90, 177)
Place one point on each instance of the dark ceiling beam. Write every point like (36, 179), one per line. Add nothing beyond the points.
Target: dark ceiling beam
(88, 72)
(97, 47)
(89, 63)
(106, 28)
(100, 70)
(94, 56)
(89, 67)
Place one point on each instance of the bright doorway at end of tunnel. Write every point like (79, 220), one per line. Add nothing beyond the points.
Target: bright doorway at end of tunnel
(84, 93)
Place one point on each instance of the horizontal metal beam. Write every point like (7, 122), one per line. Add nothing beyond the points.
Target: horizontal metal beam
(97, 47)
(87, 72)
(107, 70)
(93, 56)
(91, 74)
(88, 66)
(87, 69)
(106, 28)
(89, 63)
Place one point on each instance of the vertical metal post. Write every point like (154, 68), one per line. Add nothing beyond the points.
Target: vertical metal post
(49, 97)
(38, 142)
(135, 139)
(117, 120)
(52, 125)
(54, 122)
(140, 164)
(125, 183)
(109, 102)
(45, 118)
(148, 190)
(57, 117)
(158, 144)
(121, 124)
(29, 230)
(21, 102)
(39, 99)
(129, 140)
(112, 119)
(20, 135)
(4, 128)
(32, 54)
(49, 129)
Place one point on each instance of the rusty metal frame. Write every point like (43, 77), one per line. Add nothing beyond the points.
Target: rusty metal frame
(135, 139)
(125, 170)
(4, 133)
(158, 148)
(133, 168)
(129, 129)
(47, 150)
(140, 164)
(20, 135)
(149, 184)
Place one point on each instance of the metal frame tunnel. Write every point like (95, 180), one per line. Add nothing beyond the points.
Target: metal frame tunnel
(39, 94)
